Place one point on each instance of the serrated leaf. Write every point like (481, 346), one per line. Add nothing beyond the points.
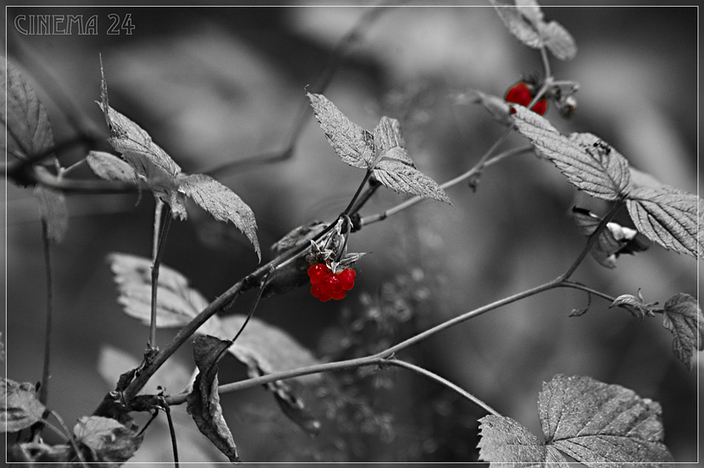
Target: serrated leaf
(589, 164)
(203, 403)
(109, 167)
(352, 143)
(109, 441)
(53, 210)
(670, 217)
(387, 136)
(526, 22)
(23, 115)
(683, 317)
(397, 172)
(20, 406)
(222, 203)
(507, 443)
(177, 302)
(266, 348)
(597, 423)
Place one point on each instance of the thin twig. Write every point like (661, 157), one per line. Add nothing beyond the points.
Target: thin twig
(46, 371)
(162, 221)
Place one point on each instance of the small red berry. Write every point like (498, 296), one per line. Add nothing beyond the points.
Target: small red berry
(327, 285)
(317, 272)
(521, 93)
(541, 106)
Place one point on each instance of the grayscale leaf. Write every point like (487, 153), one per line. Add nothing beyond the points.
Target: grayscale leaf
(670, 217)
(526, 22)
(222, 203)
(505, 443)
(203, 403)
(396, 171)
(19, 405)
(597, 423)
(109, 167)
(496, 106)
(108, 440)
(53, 210)
(387, 136)
(633, 304)
(683, 317)
(352, 143)
(266, 348)
(23, 116)
(589, 164)
(177, 302)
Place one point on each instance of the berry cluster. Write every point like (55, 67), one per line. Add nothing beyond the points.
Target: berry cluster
(328, 285)
(523, 93)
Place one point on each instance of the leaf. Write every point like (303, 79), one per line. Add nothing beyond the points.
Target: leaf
(397, 172)
(387, 136)
(53, 210)
(497, 107)
(177, 303)
(222, 203)
(589, 164)
(203, 403)
(147, 159)
(40, 452)
(506, 443)
(526, 22)
(266, 348)
(20, 406)
(596, 423)
(352, 143)
(683, 317)
(670, 217)
(23, 116)
(110, 167)
(108, 440)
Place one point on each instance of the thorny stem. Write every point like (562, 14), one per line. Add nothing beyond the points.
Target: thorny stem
(162, 221)
(483, 163)
(46, 371)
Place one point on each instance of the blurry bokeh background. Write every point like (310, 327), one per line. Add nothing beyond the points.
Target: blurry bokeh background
(213, 85)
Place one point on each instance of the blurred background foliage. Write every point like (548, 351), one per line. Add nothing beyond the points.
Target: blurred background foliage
(213, 85)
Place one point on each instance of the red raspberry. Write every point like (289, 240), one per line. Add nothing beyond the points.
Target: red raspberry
(523, 93)
(317, 272)
(327, 285)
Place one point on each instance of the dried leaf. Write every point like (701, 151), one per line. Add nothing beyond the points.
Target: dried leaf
(526, 22)
(109, 167)
(506, 443)
(597, 423)
(53, 210)
(352, 143)
(22, 115)
(109, 441)
(177, 303)
(298, 236)
(397, 172)
(266, 348)
(203, 403)
(20, 405)
(589, 164)
(670, 217)
(222, 203)
(683, 317)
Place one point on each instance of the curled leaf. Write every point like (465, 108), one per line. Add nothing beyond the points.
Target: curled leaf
(20, 405)
(109, 167)
(203, 403)
(683, 317)
(107, 440)
(634, 304)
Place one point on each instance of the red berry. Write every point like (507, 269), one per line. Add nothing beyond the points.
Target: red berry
(521, 93)
(347, 278)
(541, 106)
(317, 272)
(331, 286)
